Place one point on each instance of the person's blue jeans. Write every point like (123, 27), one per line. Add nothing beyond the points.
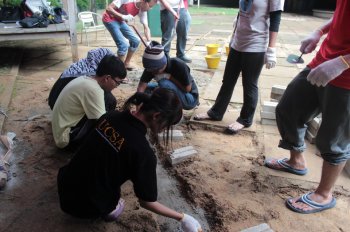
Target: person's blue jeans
(167, 25)
(123, 36)
(250, 65)
(188, 22)
(188, 100)
(300, 103)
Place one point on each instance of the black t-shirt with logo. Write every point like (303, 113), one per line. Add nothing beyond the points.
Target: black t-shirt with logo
(115, 151)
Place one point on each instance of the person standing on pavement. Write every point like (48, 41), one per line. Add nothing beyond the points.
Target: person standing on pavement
(170, 73)
(168, 17)
(81, 102)
(116, 17)
(189, 19)
(117, 150)
(252, 46)
(322, 87)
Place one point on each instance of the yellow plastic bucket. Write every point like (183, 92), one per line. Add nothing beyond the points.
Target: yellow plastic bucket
(227, 47)
(212, 48)
(213, 61)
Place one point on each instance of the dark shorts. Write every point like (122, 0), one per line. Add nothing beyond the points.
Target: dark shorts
(300, 103)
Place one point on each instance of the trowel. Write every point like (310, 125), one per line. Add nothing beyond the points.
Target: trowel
(295, 59)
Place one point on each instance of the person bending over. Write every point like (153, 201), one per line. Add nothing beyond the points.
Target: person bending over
(116, 151)
(170, 73)
(81, 102)
(116, 18)
(86, 66)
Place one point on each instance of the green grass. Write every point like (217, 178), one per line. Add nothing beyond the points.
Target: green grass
(213, 10)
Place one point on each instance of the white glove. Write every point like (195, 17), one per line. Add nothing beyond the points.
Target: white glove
(327, 71)
(127, 18)
(310, 43)
(270, 58)
(189, 224)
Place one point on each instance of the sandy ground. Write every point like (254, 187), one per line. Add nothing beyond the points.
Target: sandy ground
(225, 186)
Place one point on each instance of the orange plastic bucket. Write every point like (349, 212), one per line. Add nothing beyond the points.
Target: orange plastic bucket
(212, 48)
(213, 61)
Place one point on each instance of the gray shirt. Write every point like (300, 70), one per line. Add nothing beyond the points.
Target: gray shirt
(252, 33)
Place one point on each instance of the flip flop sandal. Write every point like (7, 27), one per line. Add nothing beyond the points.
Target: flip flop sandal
(316, 207)
(284, 166)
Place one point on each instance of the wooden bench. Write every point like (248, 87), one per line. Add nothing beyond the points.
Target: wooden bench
(67, 29)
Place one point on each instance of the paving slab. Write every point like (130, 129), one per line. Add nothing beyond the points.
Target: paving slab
(264, 94)
(213, 88)
(181, 154)
(259, 228)
(269, 81)
(282, 72)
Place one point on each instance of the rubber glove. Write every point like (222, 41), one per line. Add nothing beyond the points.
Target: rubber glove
(327, 71)
(310, 43)
(189, 224)
(127, 18)
(270, 57)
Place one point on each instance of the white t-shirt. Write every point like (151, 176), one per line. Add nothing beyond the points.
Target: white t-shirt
(82, 96)
(173, 4)
(252, 33)
(126, 7)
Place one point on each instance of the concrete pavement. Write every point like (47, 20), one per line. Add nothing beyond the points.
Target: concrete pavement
(292, 30)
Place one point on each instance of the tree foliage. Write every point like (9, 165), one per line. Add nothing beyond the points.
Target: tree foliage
(85, 4)
(10, 2)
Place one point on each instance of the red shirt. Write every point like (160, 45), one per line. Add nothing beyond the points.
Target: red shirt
(337, 42)
(186, 4)
(124, 7)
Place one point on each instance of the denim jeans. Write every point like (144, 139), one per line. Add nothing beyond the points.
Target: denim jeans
(188, 100)
(300, 103)
(250, 64)
(167, 26)
(188, 22)
(123, 36)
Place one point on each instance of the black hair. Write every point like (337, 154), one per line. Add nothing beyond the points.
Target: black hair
(164, 101)
(111, 65)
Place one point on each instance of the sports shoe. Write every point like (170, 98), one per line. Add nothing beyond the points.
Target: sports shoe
(185, 59)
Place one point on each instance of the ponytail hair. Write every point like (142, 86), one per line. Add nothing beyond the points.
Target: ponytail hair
(164, 101)
(137, 99)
